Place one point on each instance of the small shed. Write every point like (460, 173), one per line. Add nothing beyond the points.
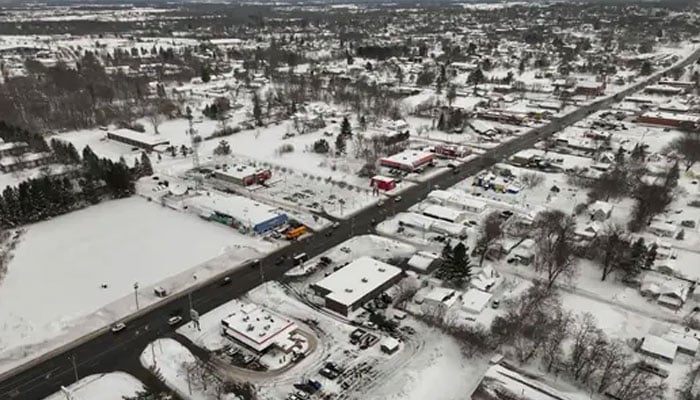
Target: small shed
(389, 345)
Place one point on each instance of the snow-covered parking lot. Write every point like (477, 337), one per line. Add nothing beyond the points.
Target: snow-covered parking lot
(115, 244)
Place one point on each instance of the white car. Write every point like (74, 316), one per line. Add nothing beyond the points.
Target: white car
(335, 225)
(116, 328)
(174, 320)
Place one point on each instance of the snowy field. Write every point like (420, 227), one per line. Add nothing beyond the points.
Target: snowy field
(109, 386)
(116, 243)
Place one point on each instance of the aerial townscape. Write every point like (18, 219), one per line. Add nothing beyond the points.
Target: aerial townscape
(329, 200)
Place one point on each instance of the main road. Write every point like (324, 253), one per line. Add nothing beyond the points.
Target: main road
(104, 351)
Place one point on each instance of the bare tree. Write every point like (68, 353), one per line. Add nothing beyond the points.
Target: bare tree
(531, 180)
(610, 248)
(491, 232)
(612, 365)
(407, 289)
(689, 391)
(587, 345)
(554, 245)
(154, 117)
(687, 146)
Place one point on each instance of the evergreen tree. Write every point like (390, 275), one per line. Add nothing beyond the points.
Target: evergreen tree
(146, 167)
(257, 110)
(340, 144)
(206, 74)
(672, 176)
(345, 128)
(88, 189)
(620, 156)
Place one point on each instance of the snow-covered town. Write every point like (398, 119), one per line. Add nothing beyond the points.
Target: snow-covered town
(330, 200)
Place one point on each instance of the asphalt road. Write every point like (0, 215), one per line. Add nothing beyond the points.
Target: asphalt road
(106, 351)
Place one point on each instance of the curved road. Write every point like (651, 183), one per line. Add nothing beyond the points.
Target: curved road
(103, 351)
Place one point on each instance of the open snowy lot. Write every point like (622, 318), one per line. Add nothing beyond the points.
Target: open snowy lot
(116, 244)
(109, 386)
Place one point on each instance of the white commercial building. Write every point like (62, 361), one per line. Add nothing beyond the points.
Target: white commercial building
(238, 212)
(474, 301)
(355, 284)
(457, 201)
(428, 224)
(445, 214)
(258, 328)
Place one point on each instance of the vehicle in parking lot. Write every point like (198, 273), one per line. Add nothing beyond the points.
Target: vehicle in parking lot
(174, 320)
(328, 373)
(118, 327)
(495, 304)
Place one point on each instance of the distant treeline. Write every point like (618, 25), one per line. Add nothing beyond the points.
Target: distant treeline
(90, 180)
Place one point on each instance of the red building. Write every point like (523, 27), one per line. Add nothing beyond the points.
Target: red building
(244, 175)
(452, 151)
(590, 88)
(670, 119)
(383, 182)
(408, 160)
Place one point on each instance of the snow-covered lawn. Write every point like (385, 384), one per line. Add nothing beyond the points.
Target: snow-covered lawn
(109, 386)
(117, 243)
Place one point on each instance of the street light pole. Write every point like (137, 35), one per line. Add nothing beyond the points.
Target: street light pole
(189, 294)
(136, 294)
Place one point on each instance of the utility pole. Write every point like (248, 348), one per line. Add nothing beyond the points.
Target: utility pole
(194, 140)
(136, 294)
(75, 367)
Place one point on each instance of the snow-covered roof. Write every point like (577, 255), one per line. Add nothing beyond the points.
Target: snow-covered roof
(474, 300)
(441, 295)
(466, 202)
(445, 213)
(241, 208)
(672, 116)
(255, 326)
(411, 158)
(600, 205)
(150, 140)
(390, 344)
(422, 260)
(429, 224)
(684, 341)
(659, 346)
(353, 282)
(238, 171)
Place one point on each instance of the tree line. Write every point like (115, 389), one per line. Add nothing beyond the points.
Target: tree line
(38, 199)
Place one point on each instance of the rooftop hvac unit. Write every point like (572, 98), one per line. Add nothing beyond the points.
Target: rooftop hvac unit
(250, 327)
(348, 290)
(382, 269)
(364, 280)
(266, 327)
(246, 318)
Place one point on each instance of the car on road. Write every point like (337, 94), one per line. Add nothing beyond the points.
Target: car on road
(380, 203)
(335, 225)
(226, 281)
(174, 320)
(116, 328)
(397, 199)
